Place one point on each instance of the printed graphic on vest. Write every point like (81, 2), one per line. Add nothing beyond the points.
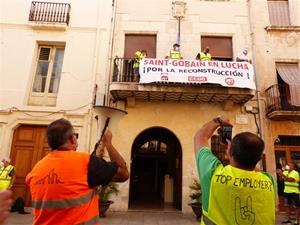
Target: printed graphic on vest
(51, 178)
(245, 182)
(243, 212)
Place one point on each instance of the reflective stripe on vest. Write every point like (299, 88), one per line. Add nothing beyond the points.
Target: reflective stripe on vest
(5, 179)
(63, 204)
(205, 57)
(91, 221)
(60, 192)
(175, 55)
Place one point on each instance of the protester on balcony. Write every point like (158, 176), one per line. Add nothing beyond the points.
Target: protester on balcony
(204, 56)
(243, 57)
(236, 193)
(138, 56)
(175, 53)
(291, 189)
(62, 184)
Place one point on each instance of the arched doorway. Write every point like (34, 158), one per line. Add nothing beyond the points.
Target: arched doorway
(156, 171)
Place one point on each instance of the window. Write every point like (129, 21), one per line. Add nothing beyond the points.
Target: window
(220, 48)
(153, 146)
(47, 75)
(279, 12)
(288, 76)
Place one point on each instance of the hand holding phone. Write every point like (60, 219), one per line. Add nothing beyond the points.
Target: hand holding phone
(226, 133)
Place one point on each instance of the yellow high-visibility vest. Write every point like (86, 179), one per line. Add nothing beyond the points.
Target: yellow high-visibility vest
(291, 187)
(5, 179)
(205, 57)
(175, 55)
(240, 197)
(138, 58)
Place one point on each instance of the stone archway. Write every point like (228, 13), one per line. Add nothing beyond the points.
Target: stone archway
(156, 171)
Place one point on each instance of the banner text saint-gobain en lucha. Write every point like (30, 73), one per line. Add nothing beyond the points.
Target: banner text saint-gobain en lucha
(229, 74)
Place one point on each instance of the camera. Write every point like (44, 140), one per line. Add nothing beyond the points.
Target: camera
(225, 133)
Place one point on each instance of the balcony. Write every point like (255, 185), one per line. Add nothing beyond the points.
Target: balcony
(125, 85)
(279, 105)
(49, 15)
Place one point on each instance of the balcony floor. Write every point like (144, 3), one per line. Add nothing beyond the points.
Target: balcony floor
(282, 115)
(180, 92)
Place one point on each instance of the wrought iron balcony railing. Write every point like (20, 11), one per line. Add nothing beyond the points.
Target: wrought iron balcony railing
(123, 70)
(50, 12)
(279, 99)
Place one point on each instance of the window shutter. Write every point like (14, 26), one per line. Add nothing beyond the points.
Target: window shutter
(279, 13)
(44, 53)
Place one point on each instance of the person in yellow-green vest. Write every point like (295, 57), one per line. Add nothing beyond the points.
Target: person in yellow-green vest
(291, 190)
(175, 53)
(7, 174)
(236, 194)
(204, 56)
(138, 56)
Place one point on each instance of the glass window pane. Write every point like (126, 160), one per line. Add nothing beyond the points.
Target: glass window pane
(163, 147)
(56, 70)
(40, 77)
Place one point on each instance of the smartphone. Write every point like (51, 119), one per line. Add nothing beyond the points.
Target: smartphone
(226, 133)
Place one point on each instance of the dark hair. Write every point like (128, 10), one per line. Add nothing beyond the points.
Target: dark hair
(247, 149)
(58, 133)
(278, 166)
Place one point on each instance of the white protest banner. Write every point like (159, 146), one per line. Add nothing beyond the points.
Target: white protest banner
(228, 74)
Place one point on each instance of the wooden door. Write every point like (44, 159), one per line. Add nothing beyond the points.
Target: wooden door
(220, 48)
(28, 147)
(134, 42)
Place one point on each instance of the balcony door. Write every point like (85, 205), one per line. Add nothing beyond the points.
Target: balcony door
(220, 48)
(138, 42)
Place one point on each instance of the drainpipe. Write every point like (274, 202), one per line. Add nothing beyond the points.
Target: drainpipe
(257, 82)
(110, 51)
(94, 72)
(178, 32)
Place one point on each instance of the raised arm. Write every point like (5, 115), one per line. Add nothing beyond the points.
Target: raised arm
(122, 174)
(203, 135)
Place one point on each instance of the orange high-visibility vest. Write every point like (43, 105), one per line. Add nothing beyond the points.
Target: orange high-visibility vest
(60, 192)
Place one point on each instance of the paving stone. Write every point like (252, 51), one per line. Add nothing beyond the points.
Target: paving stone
(131, 218)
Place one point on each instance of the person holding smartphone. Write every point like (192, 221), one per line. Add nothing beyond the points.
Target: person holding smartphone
(236, 193)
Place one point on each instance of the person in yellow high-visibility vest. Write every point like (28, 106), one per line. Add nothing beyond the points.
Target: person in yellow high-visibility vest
(7, 174)
(138, 56)
(204, 56)
(175, 53)
(291, 190)
(236, 193)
